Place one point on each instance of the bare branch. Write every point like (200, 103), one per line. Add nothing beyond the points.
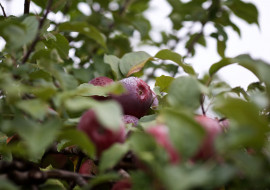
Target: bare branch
(3, 10)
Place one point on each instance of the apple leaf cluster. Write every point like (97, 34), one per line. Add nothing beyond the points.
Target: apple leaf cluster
(77, 110)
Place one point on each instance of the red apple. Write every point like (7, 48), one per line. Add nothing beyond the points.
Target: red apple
(161, 134)
(123, 184)
(88, 167)
(212, 129)
(101, 81)
(137, 99)
(101, 136)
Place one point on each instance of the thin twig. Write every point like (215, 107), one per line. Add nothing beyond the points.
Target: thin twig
(41, 22)
(3, 10)
(202, 103)
(26, 6)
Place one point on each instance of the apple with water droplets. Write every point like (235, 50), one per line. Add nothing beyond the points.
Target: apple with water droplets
(137, 99)
(101, 81)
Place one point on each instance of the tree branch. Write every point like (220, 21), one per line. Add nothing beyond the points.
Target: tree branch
(25, 173)
(26, 6)
(41, 22)
(3, 10)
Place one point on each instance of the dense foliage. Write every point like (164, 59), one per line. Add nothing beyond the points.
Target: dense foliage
(45, 68)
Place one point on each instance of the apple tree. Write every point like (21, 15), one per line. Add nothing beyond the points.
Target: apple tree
(77, 111)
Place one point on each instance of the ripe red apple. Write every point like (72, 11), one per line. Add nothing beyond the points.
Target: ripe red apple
(161, 134)
(101, 81)
(212, 129)
(102, 137)
(130, 119)
(137, 99)
(88, 167)
(123, 184)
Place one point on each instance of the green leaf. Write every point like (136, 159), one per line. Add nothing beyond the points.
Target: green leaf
(258, 67)
(217, 66)
(245, 11)
(60, 43)
(143, 26)
(86, 29)
(141, 180)
(112, 156)
(221, 46)
(82, 74)
(36, 108)
(80, 139)
(114, 62)
(18, 33)
(44, 91)
(109, 114)
(7, 185)
(31, 28)
(133, 62)
(184, 92)
(86, 89)
(189, 178)
(76, 104)
(248, 127)
(167, 54)
(143, 146)
(102, 178)
(239, 90)
(67, 81)
(183, 128)
(164, 82)
(37, 136)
